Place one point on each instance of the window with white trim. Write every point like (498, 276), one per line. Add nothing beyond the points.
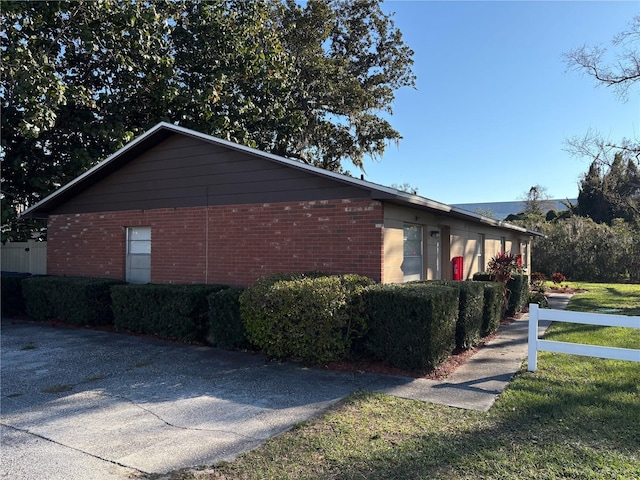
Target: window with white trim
(138, 255)
(480, 249)
(412, 247)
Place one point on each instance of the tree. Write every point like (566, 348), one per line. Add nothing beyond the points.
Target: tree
(585, 250)
(591, 202)
(486, 212)
(312, 82)
(614, 193)
(405, 187)
(623, 75)
(536, 201)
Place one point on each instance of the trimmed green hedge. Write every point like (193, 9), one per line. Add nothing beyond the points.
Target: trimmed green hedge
(483, 277)
(178, 312)
(76, 300)
(518, 294)
(517, 291)
(11, 292)
(470, 310)
(226, 329)
(310, 317)
(411, 326)
(493, 304)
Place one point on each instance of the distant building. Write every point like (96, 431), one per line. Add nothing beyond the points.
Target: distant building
(502, 210)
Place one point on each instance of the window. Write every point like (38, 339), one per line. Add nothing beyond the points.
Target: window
(480, 249)
(138, 255)
(412, 260)
(525, 256)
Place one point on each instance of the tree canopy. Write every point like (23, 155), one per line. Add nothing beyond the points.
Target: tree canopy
(314, 82)
(612, 193)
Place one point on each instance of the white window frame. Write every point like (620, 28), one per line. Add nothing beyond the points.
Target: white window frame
(138, 254)
(411, 259)
(481, 255)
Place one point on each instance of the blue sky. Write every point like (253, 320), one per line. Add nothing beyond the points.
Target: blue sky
(495, 102)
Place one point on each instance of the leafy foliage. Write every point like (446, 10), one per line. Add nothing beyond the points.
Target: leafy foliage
(311, 318)
(517, 294)
(584, 250)
(77, 300)
(470, 310)
(492, 308)
(12, 299)
(503, 266)
(226, 329)
(80, 79)
(177, 312)
(411, 326)
(614, 192)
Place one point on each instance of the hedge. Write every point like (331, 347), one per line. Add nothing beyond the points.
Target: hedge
(411, 326)
(178, 312)
(518, 294)
(76, 300)
(470, 310)
(493, 304)
(517, 291)
(308, 317)
(11, 292)
(226, 329)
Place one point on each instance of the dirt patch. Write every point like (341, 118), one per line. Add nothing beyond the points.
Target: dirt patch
(565, 289)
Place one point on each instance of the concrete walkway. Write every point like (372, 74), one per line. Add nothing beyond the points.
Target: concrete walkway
(477, 384)
(80, 404)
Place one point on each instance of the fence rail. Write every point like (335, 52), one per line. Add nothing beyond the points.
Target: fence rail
(535, 344)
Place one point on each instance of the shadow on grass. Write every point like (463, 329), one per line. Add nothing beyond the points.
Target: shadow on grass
(558, 430)
(546, 425)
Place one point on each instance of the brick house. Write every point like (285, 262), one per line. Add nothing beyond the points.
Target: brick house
(178, 206)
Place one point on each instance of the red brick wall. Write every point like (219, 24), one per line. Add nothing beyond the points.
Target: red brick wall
(241, 243)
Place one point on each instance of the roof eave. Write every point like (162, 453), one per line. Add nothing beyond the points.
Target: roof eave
(432, 205)
(378, 192)
(32, 211)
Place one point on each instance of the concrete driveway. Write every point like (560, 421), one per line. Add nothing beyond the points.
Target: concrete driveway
(80, 404)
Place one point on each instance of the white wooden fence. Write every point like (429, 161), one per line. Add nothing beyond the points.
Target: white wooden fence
(24, 257)
(535, 344)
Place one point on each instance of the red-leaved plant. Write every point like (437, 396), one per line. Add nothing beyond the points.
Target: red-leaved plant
(502, 267)
(558, 278)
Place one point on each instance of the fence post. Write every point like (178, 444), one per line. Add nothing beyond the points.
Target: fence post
(532, 363)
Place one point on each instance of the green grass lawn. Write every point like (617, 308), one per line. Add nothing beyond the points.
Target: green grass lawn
(575, 418)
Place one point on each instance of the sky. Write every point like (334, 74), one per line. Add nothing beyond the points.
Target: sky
(495, 101)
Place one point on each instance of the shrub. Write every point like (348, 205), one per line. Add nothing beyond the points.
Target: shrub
(539, 298)
(558, 278)
(493, 307)
(226, 329)
(470, 310)
(177, 312)
(517, 294)
(12, 299)
(411, 326)
(585, 250)
(309, 317)
(77, 300)
(503, 266)
(484, 277)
